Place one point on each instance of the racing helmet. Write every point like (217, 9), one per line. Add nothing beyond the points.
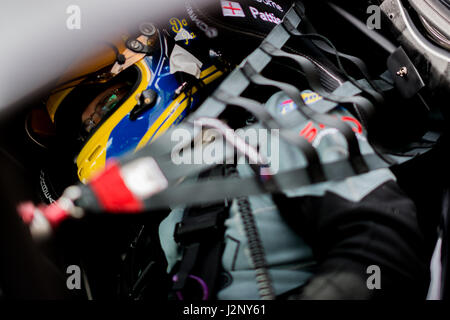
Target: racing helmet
(121, 102)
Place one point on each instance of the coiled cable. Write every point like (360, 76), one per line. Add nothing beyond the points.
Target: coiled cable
(256, 248)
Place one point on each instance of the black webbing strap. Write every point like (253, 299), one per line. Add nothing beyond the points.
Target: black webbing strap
(190, 256)
(299, 9)
(373, 35)
(201, 235)
(314, 80)
(325, 45)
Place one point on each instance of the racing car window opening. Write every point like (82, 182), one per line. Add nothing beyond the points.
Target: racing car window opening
(104, 103)
(132, 77)
(96, 102)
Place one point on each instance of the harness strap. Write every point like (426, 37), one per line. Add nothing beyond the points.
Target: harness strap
(215, 190)
(201, 235)
(292, 92)
(325, 45)
(314, 168)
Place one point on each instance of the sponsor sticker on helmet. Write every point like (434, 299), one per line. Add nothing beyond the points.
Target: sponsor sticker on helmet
(181, 30)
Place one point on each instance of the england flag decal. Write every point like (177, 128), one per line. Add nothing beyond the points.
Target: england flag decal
(232, 9)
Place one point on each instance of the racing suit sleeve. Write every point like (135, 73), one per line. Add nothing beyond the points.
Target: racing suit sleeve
(371, 249)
